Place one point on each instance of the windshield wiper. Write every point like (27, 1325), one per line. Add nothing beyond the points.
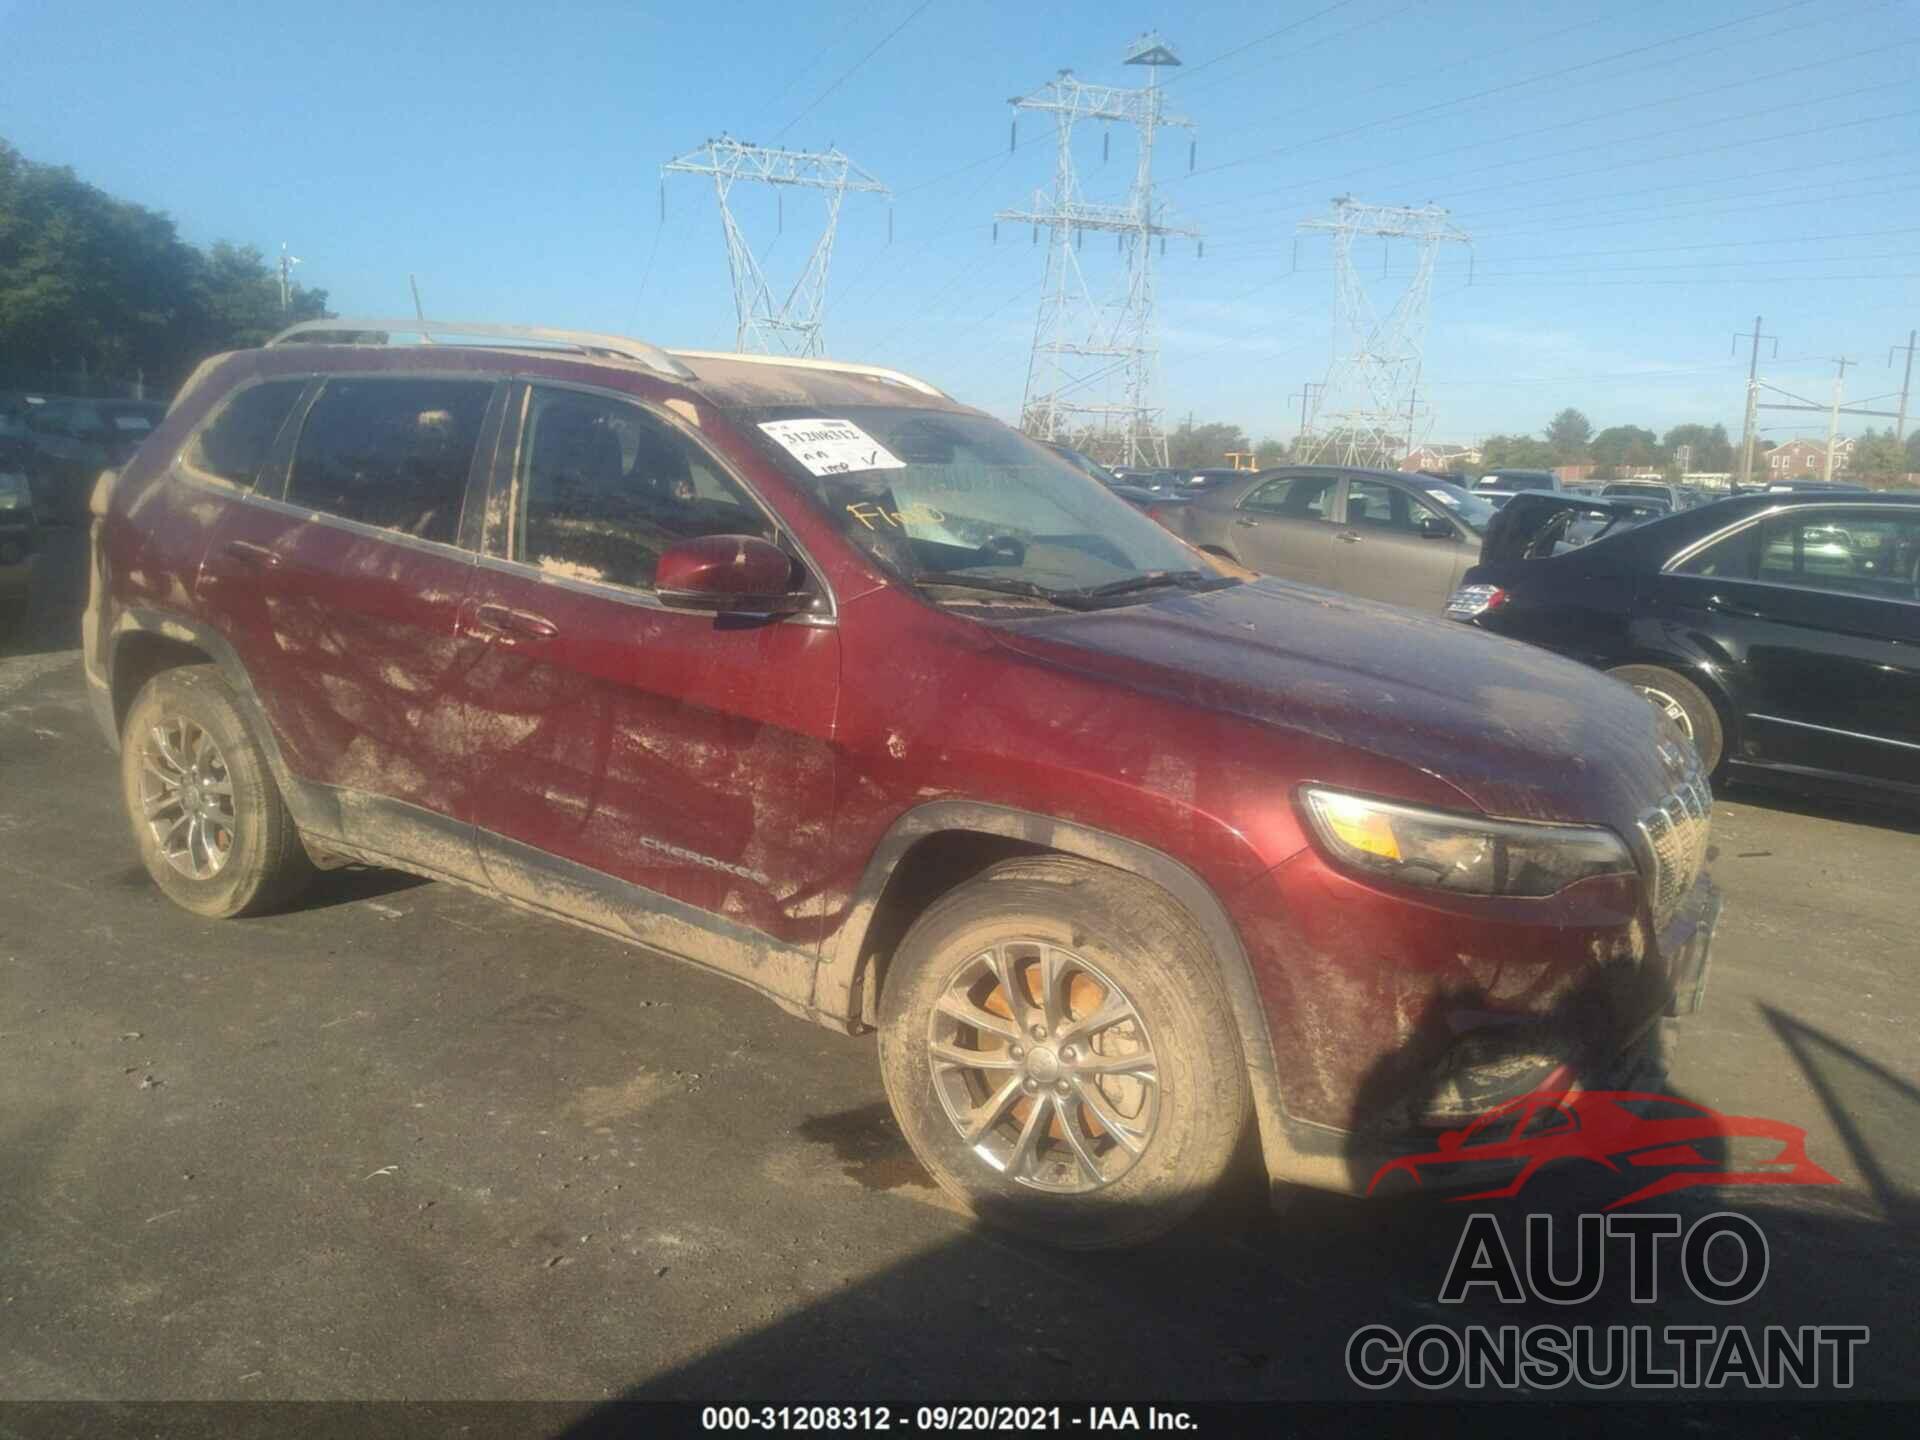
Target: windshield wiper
(992, 586)
(1152, 580)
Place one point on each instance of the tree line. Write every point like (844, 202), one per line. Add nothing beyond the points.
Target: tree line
(1570, 439)
(99, 287)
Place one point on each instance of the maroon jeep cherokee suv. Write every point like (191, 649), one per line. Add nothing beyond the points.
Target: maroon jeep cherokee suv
(806, 673)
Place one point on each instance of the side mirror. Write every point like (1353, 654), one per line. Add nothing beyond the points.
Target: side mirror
(741, 574)
(1432, 527)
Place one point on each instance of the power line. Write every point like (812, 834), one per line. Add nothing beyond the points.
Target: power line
(852, 69)
(1745, 82)
(1502, 89)
(1271, 35)
(1682, 155)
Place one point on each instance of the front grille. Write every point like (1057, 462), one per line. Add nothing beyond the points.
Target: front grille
(1676, 831)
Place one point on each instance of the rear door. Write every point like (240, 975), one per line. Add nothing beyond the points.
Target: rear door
(1285, 526)
(660, 770)
(1396, 546)
(339, 582)
(1819, 608)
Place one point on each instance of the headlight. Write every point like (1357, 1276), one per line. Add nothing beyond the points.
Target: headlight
(1462, 853)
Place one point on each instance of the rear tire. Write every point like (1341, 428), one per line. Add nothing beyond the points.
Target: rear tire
(1099, 1134)
(1675, 695)
(208, 819)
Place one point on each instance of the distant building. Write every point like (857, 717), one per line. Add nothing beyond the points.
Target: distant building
(1442, 458)
(1807, 457)
(1574, 472)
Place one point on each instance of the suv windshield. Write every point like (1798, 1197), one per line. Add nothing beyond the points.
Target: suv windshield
(942, 497)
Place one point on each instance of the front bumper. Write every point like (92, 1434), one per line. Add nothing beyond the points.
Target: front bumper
(1397, 1013)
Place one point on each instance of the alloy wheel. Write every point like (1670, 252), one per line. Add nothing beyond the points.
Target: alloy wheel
(1045, 1068)
(186, 797)
(1669, 707)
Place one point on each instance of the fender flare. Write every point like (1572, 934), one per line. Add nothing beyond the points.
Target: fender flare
(839, 978)
(315, 808)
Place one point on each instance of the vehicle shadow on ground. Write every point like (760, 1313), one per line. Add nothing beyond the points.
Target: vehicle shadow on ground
(1244, 1302)
(352, 885)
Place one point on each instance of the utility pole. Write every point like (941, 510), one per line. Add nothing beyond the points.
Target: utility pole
(1753, 397)
(1906, 383)
(1833, 415)
(1307, 393)
(287, 262)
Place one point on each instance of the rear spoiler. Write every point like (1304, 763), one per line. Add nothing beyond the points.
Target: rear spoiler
(1534, 522)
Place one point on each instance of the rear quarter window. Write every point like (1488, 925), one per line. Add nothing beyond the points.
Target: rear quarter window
(237, 442)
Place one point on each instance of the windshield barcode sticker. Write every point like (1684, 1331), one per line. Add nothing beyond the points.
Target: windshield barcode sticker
(832, 447)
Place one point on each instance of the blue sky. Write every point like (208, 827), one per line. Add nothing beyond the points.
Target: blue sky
(1641, 179)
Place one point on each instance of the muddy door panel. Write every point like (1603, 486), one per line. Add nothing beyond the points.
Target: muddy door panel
(350, 642)
(687, 755)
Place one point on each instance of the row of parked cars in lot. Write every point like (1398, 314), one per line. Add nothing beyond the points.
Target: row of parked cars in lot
(810, 674)
(1799, 663)
(52, 448)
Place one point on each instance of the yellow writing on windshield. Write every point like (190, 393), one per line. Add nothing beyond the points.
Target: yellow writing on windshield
(867, 513)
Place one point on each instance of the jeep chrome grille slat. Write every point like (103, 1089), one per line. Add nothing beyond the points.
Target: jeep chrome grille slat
(1676, 835)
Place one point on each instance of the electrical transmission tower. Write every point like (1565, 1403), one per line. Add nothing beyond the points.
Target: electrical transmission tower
(791, 326)
(1079, 345)
(1367, 412)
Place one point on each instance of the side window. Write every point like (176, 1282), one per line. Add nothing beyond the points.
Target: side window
(1380, 506)
(1728, 559)
(1845, 552)
(603, 487)
(239, 439)
(1305, 497)
(391, 453)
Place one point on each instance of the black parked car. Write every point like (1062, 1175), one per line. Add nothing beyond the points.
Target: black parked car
(19, 529)
(1781, 631)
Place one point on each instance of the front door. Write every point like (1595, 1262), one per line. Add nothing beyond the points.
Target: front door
(1821, 611)
(664, 772)
(1286, 527)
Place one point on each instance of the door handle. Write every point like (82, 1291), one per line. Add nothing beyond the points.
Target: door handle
(1248, 524)
(1723, 607)
(506, 626)
(1348, 537)
(247, 553)
(525, 622)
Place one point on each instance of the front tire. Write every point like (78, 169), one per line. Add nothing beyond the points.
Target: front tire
(1059, 1052)
(1685, 702)
(208, 819)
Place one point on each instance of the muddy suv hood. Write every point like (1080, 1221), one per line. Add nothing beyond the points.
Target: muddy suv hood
(1517, 731)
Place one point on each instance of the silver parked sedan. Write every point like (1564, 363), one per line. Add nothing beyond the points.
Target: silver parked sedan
(1382, 534)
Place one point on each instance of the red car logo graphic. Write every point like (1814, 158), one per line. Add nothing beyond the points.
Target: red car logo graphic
(1623, 1131)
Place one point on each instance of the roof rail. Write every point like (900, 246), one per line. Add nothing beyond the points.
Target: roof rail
(584, 342)
(877, 372)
